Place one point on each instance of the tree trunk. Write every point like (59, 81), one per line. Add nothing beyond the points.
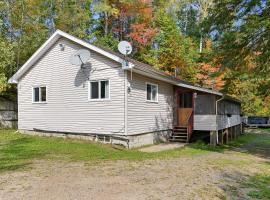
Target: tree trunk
(106, 24)
(186, 21)
(52, 19)
(19, 42)
(201, 43)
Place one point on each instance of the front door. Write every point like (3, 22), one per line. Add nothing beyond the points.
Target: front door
(185, 108)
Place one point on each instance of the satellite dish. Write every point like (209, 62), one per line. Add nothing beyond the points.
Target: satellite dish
(125, 48)
(80, 57)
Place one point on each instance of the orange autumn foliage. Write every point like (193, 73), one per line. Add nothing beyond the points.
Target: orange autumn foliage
(207, 77)
(141, 31)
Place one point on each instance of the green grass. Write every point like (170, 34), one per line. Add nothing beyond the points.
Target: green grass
(267, 129)
(18, 151)
(260, 185)
(241, 140)
(254, 139)
(248, 138)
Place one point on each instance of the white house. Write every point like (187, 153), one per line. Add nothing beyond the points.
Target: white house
(104, 102)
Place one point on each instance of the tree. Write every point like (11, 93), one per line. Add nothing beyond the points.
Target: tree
(210, 73)
(241, 29)
(142, 30)
(247, 88)
(73, 16)
(172, 52)
(207, 76)
(7, 58)
(190, 15)
(203, 9)
(106, 11)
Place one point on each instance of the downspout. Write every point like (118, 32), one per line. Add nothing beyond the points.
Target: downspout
(125, 103)
(222, 98)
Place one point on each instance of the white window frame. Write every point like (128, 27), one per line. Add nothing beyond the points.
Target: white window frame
(99, 90)
(152, 101)
(39, 102)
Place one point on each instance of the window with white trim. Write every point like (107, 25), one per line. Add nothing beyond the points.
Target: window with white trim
(99, 89)
(152, 92)
(39, 94)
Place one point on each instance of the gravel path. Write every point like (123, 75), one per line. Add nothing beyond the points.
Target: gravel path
(199, 177)
(162, 147)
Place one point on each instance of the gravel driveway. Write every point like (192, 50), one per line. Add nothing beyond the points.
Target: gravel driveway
(209, 176)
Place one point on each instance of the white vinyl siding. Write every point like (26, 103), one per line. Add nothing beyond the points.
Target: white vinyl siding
(205, 122)
(68, 108)
(212, 123)
(144, 117)
(223, 121)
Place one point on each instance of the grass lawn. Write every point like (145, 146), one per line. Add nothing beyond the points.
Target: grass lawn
(18, 151)
(260, 185)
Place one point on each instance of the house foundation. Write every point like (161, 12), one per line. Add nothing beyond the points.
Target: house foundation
(130, 141)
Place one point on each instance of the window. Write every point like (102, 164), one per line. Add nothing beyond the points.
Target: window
(94, 90)
(186, 100)
(152, 92)
(39, 94)
(99, 89)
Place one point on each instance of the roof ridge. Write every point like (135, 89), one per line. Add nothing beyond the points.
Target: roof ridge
(142, 68)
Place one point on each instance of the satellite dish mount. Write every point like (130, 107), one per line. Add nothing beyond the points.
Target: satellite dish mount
(80, 57)
(125, 48)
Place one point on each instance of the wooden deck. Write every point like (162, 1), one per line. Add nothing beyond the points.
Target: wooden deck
(258, 125)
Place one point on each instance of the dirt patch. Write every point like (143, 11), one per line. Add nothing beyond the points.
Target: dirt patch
(162, 147)
(197, 177)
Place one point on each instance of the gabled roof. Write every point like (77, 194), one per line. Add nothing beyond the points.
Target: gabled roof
(39, 53)
(138, 67)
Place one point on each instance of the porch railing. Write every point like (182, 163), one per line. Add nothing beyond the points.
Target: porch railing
(190, 125)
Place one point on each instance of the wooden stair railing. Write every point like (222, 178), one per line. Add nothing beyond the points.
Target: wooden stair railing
(190, 126)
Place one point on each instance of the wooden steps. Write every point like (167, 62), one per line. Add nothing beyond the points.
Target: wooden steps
(179, 134)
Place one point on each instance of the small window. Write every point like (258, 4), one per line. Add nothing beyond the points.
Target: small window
(99, 89)
(94, 90)
(39, 94)
(43, 94)
(152, 92)
(186, 100)
(104, 90)
(36, 94)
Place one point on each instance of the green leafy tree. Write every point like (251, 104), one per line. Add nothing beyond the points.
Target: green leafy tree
(172, 52)
(73, 16)
(7, 58)
(242, 29)
(247, 88)
(106, 11)
(242, 43)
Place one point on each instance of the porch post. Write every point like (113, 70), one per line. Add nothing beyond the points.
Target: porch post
(213, 138)
(242, 128)
(234, 131)
(176, 101)
(222, 135)
(227, 135)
